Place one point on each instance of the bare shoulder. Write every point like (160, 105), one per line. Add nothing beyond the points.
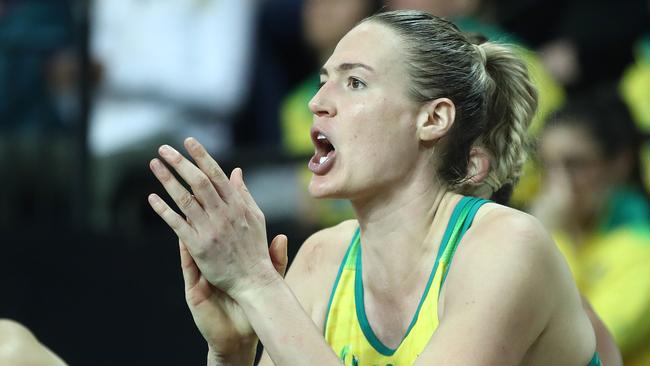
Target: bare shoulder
(323, 248)
(507, 276)
(512, 235)
(508, 251)
(516, 243)
(314, 269)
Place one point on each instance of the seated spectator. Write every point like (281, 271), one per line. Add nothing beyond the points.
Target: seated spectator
(594, 201)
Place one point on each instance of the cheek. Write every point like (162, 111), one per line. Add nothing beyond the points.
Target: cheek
(380, 133)
(382, 129)
(590, 186)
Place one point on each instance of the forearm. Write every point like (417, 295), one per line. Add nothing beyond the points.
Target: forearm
(245, 356)
(289, 336)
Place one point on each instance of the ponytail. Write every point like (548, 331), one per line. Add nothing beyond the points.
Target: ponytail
(511, 102)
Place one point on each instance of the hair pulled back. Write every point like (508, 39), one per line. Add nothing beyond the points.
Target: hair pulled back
(489, 85)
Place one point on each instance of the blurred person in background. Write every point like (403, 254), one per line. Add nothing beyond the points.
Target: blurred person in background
(171, 68)
(36, 121)
(594, 201)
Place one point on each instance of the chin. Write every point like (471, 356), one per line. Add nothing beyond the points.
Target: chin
(321, 188)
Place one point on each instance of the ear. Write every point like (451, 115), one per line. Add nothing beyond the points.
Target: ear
(479, 165)
(435, 119)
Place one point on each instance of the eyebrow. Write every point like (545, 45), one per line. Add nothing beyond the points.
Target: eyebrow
(347, 66)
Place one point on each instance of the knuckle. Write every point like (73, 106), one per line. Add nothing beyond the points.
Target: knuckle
(214, 173)
(176, 224)
(236, 220)
(203, 183)
(186, 201)
(164, 175)
(177, 159)
(260, 215)
(256, 212)
(200, 252)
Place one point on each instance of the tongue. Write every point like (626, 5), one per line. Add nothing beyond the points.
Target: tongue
(320, 164)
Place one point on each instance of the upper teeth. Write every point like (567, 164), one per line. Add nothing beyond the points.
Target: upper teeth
(321, 137)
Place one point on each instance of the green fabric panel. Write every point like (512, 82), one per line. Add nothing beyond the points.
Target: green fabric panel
(355, 239)
(476, 204)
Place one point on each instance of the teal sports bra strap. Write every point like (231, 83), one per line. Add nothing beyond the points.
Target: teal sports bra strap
(595, 361)
(474, 204)
(453, 226)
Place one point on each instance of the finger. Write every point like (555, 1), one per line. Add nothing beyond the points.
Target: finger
(184, 199)
(201, 185)
(191, 273)
(278, 253)
(210, 168)
(237, 178)
(171, 218)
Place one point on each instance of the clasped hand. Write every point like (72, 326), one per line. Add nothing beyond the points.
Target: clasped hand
(224, 230)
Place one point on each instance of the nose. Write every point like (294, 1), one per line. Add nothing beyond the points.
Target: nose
(320, 105)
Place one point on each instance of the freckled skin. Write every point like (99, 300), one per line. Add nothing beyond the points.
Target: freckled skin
(372, 127)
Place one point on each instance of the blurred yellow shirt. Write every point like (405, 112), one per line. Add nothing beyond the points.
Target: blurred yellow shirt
(612, 271)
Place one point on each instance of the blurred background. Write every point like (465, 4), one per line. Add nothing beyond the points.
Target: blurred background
(89, 89)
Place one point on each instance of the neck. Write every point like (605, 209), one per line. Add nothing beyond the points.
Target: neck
(399, 228)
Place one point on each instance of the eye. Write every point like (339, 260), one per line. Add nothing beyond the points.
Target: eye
(320, 84)
(355, 83)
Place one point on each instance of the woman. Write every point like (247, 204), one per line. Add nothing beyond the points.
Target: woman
(409, 112)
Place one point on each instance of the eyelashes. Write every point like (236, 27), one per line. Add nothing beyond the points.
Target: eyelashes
(352, 83)
(355, 83)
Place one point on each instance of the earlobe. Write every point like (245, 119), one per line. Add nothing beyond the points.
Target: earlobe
(479, 165)
(435, 119)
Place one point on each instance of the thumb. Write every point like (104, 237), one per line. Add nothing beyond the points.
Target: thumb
(278, 253)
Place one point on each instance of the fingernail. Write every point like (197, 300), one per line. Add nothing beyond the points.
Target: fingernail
(156, 165)
(193, 143)
(154, 199)
(167, 151)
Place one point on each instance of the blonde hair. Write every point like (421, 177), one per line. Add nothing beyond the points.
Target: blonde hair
(489, 84)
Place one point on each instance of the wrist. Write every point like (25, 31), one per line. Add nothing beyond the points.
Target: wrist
(265, 281)
(243, 355)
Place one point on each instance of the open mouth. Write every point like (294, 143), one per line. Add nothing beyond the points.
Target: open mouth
(323, 158)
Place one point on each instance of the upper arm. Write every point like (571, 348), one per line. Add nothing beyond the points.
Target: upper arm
(498, 298)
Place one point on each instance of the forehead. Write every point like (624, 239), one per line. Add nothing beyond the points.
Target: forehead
(370, 43)
(568, 140)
